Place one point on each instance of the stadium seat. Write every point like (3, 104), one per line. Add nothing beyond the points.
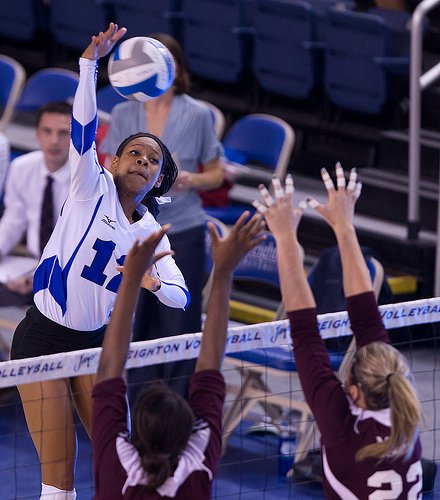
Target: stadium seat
(359, 63)
(142, 18)
(20, 19)
(257, 147)
(47, 85)
(216, 38)
(106, 98)
(13, 78)
(287, 55)
(72, 23)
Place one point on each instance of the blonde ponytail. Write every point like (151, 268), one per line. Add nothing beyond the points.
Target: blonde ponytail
(383, 375)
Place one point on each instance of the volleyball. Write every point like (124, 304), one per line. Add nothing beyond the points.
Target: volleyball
(141, 68)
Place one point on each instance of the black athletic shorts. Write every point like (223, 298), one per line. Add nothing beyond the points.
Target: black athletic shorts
(37, 335)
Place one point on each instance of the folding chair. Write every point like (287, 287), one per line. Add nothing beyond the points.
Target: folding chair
(279, 361)
(260, 268)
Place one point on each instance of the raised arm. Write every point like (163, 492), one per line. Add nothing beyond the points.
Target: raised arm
(321, 387)
(338, 212)
(227, 253)
(118, 334)
(85, 167)
(282, 220)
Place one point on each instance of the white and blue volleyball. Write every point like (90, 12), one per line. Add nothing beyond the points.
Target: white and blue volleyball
(141, 68)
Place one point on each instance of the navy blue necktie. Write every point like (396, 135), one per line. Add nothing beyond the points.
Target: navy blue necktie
(47, 219)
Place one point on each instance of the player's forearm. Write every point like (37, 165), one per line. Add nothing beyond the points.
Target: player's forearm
(174, 295)
(216, 325)
(118, 335)
(295, 290)
(356, 277)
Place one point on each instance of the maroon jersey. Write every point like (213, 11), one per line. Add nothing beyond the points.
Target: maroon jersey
(346, 428)
(117, 468)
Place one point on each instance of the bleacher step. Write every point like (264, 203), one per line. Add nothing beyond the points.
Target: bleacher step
(396, 181)
(428, 138)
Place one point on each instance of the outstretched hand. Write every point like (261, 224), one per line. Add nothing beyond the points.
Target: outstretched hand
(141, 256)
(280, 215)
(245, 235)
(103, 43)
(339, 209)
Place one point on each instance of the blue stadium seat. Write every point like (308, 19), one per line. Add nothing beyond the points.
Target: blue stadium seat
(287, 54)
(142, 17)
(73, 23)
(11, 85)
(359, 62)
(215, 38)
(106, 98)
(20, 19)
(46, 85)
(257, 147)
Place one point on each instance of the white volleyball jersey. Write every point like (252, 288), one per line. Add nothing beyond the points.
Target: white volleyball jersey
(76, 281)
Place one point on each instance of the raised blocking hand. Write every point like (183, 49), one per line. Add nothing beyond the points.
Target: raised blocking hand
(245, 235)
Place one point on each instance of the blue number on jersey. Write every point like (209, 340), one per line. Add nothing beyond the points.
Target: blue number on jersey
(50, 275)
(95, 272)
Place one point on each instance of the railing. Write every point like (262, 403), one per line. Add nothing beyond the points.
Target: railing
(418, 83)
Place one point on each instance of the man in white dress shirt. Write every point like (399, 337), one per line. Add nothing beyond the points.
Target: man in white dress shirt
(4, 162)
(24, 192)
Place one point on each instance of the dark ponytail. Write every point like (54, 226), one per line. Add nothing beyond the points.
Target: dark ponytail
(159, 469)
(162, 424)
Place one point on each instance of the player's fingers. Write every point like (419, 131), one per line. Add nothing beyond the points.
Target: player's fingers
(213, 231)
(254, 225)
(358, 190)
(241, 221)
(160, 255)
(256, 241)
(302, 205)
(340, 178)
(259, 206)
(266, 195)
(352, 180)
(313, 203)
(154, 239)
(277, 188)
(328, 183)
(289, 187)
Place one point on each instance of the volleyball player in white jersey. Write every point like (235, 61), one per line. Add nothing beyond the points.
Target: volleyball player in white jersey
(78, 276)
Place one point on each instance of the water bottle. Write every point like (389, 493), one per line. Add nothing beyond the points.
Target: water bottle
(286, 452)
